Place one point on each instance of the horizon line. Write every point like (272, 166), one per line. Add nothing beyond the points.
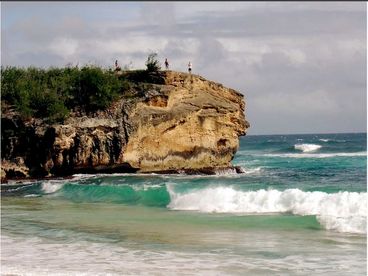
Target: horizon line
(306, 133)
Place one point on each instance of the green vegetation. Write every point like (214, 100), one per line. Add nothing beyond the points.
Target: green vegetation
(153, 65)
(52, 93)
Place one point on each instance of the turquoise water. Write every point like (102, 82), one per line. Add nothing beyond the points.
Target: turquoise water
(299, 208)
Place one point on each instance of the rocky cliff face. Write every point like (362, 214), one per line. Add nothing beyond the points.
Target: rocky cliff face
(177, 122)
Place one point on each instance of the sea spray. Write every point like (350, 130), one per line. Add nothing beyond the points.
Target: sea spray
(307, 147)
(246, 171)
(49, 187)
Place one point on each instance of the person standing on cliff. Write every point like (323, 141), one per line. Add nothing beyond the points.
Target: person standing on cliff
(190, 67)
(166, 64)
(117, 67)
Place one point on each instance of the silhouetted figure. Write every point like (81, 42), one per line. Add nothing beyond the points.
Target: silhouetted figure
(190, 67)
(117, 67)
(166, 64)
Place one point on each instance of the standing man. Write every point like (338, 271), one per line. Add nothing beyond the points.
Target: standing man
(166, 64)
(190, 67)
(117, 67)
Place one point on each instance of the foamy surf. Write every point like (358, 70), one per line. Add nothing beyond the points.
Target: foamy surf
(342, 212)
(233, 171)
(250, 170)
(332, 140)
(146, 187)
(50, 187)
(307, 147)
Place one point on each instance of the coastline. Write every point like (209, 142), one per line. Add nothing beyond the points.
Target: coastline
(201, 171)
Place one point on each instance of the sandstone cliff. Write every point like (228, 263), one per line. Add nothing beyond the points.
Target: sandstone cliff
(175, 122)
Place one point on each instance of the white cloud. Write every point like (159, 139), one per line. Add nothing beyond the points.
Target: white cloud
(311, 102)
(296, 56)
(131, 44)
(294, 61)
(64, 46)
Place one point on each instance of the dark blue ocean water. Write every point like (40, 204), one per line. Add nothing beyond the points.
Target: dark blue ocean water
(321, 162)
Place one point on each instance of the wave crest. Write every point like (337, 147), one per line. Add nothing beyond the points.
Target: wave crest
(307, 147)
(50, 187)
(342, 212)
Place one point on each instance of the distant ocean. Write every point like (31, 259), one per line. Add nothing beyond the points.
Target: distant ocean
(299, 208)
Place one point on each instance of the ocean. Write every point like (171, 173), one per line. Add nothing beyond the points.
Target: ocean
(299, 208)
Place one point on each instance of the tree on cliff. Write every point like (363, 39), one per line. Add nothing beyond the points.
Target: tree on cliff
(153, 65)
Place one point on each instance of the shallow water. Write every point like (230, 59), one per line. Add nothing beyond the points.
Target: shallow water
(296, 210)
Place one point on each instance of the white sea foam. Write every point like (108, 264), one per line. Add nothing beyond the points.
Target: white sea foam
(91, 258)
(332, 140)
(32, 195)
(230, 172)
(251, 170)
(80, 175)
(342, 212)
(19, 188)
(227, 171)
(307, 147)
(146, 187)
(16, 182)
(317, 155)
(50, 187)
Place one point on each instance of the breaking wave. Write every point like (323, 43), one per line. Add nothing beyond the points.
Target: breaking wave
(307, 147)
(342, 212)
(50, 187)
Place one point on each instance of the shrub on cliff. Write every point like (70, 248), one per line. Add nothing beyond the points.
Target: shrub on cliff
(9, 78)
(33, 93)
(153, 65)
(36, 99)
(51, 93)
(97, 88)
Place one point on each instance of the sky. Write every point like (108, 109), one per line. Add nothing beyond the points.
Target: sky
(302, 66)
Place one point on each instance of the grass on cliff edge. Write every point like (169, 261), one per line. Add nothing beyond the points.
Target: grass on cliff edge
(51, 93)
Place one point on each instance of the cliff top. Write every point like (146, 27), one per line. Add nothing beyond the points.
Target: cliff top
(55, 94)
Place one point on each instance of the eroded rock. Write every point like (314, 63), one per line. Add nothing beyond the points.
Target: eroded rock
(179, 122)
